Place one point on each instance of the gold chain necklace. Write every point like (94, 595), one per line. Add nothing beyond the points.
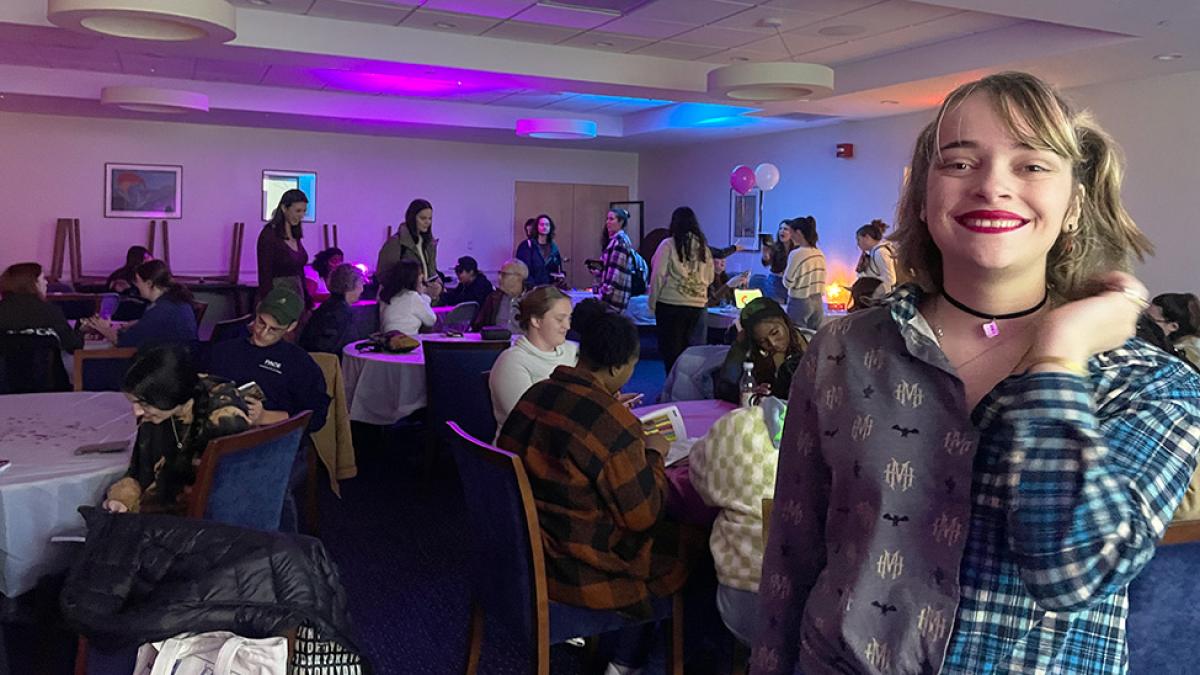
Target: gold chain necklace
(178, 443)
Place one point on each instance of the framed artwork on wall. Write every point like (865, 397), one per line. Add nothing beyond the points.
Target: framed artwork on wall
(745, 218)
(143, 191)
(276, 182)
(635, 227)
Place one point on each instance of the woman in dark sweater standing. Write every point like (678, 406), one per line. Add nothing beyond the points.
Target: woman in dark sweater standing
(414, 241)
(775, 258)
(281, 254)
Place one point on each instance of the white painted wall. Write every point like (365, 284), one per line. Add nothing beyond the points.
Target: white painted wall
(1153, 119)
(52, 167)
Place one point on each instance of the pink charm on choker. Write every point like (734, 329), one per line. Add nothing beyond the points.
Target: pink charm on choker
(990, 329)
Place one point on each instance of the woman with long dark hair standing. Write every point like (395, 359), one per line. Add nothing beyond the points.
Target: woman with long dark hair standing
(804, 277)
(775, 259)
(540, 254)
(281, 254)
(679, 284)
(414, 241)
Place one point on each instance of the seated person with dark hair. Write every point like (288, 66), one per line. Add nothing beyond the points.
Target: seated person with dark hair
(121, 280)
(770, 341)
(24, 310)
(169, 317)
(329, 329)
(598, 479)
(178, 413)
(472, 286)
(289, 378)
(720, 291)
(316, 274)
(865, 294)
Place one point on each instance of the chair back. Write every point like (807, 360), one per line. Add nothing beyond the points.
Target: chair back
(452, 387)
(461, 316)
(243, 479)
(31, 364)
(102, 369)
(508, 568)
(231, 329)
(129, 309)
(199, 308)
(1161, 618)
(76, 305)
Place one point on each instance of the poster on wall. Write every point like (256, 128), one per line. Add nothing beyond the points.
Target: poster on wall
(143, 191)
(745, 218)
(275, 183)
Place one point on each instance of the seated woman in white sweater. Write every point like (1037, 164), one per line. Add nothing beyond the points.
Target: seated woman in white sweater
(403, 305)
(544, 314)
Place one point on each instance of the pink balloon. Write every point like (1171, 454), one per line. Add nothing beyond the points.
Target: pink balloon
(742, 179)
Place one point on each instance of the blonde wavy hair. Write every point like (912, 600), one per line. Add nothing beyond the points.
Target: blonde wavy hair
(1105, 237)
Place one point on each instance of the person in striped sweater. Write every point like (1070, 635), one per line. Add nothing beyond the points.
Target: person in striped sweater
(804, 277)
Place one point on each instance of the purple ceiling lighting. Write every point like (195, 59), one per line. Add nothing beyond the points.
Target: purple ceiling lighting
(408, 85)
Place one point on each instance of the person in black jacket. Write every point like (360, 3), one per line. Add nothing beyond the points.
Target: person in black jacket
(331, 327)
(24, 310)
(472, 286)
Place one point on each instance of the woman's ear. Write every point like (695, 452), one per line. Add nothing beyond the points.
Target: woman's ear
(1075, 210)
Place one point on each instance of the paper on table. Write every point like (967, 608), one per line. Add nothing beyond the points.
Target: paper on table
(666, 421)
(679, 450)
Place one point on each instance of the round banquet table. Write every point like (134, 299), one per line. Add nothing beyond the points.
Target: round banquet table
(683, 502)
(46, 482)
(384, 388)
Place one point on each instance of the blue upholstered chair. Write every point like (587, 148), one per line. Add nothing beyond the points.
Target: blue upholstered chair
(453, 388)
(1162, 605)
(508, 573)
(243, 478)
(76, 305)
(102, 369)
(31, 364)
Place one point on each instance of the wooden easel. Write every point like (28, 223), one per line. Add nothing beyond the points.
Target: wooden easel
(66, 238)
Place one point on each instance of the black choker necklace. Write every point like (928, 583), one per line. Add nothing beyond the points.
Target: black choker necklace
(990, 329)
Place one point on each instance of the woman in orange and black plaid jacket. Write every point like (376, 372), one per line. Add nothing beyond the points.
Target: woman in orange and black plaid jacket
(597, 477)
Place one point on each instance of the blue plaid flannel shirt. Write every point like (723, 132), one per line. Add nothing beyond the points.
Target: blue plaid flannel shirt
(1074, 482)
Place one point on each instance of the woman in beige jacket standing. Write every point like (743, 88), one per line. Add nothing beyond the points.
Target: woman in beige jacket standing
(680, 274)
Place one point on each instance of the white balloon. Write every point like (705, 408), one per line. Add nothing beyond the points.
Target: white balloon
(766, 176)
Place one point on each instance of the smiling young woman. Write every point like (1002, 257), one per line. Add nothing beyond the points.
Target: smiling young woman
(971, 475)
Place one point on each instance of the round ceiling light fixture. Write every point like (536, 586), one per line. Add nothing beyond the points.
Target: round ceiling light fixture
(165, 20)
(774, 81)
(557, 128)
(153, 99)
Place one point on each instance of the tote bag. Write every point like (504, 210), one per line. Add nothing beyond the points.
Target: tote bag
(216, 653)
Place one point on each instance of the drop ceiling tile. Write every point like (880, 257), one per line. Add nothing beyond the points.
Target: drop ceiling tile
(580, 103)
(563, 16)
(754, 19)
(798, 44)
(827, 7)
(160, 66)
(696, 12)
(676, 50)
(718, 37)
(911, 37)
(348, 10)
(451, 22)
(531, 99)
(649, 28)
(497, 9)
(230, 71)
(288, 76)
(605, 42)
(531, 32)
(484, 96)
(83, 59)
(285, 6)
(880, 18)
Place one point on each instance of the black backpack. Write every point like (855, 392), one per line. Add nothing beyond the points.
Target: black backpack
(640, 283)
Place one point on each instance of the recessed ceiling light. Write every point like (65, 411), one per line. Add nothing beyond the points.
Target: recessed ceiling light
(1168, 57)
(603, 43)
(842, 30)
(444, 25)
(774, 81)
(557, 128)
(888, 101)
(260, 3)
(153, 99)
(166, 20)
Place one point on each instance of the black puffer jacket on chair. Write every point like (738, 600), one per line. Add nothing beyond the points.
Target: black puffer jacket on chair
(146, 577)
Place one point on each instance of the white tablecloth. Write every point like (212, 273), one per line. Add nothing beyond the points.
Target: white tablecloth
(385, 388)
(47, 482)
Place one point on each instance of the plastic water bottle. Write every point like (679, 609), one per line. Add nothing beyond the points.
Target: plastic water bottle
(746, 385)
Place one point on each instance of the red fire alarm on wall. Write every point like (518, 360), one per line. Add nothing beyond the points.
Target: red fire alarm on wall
(845, 150)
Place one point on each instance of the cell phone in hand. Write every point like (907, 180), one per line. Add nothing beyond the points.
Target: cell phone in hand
(252, 390)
